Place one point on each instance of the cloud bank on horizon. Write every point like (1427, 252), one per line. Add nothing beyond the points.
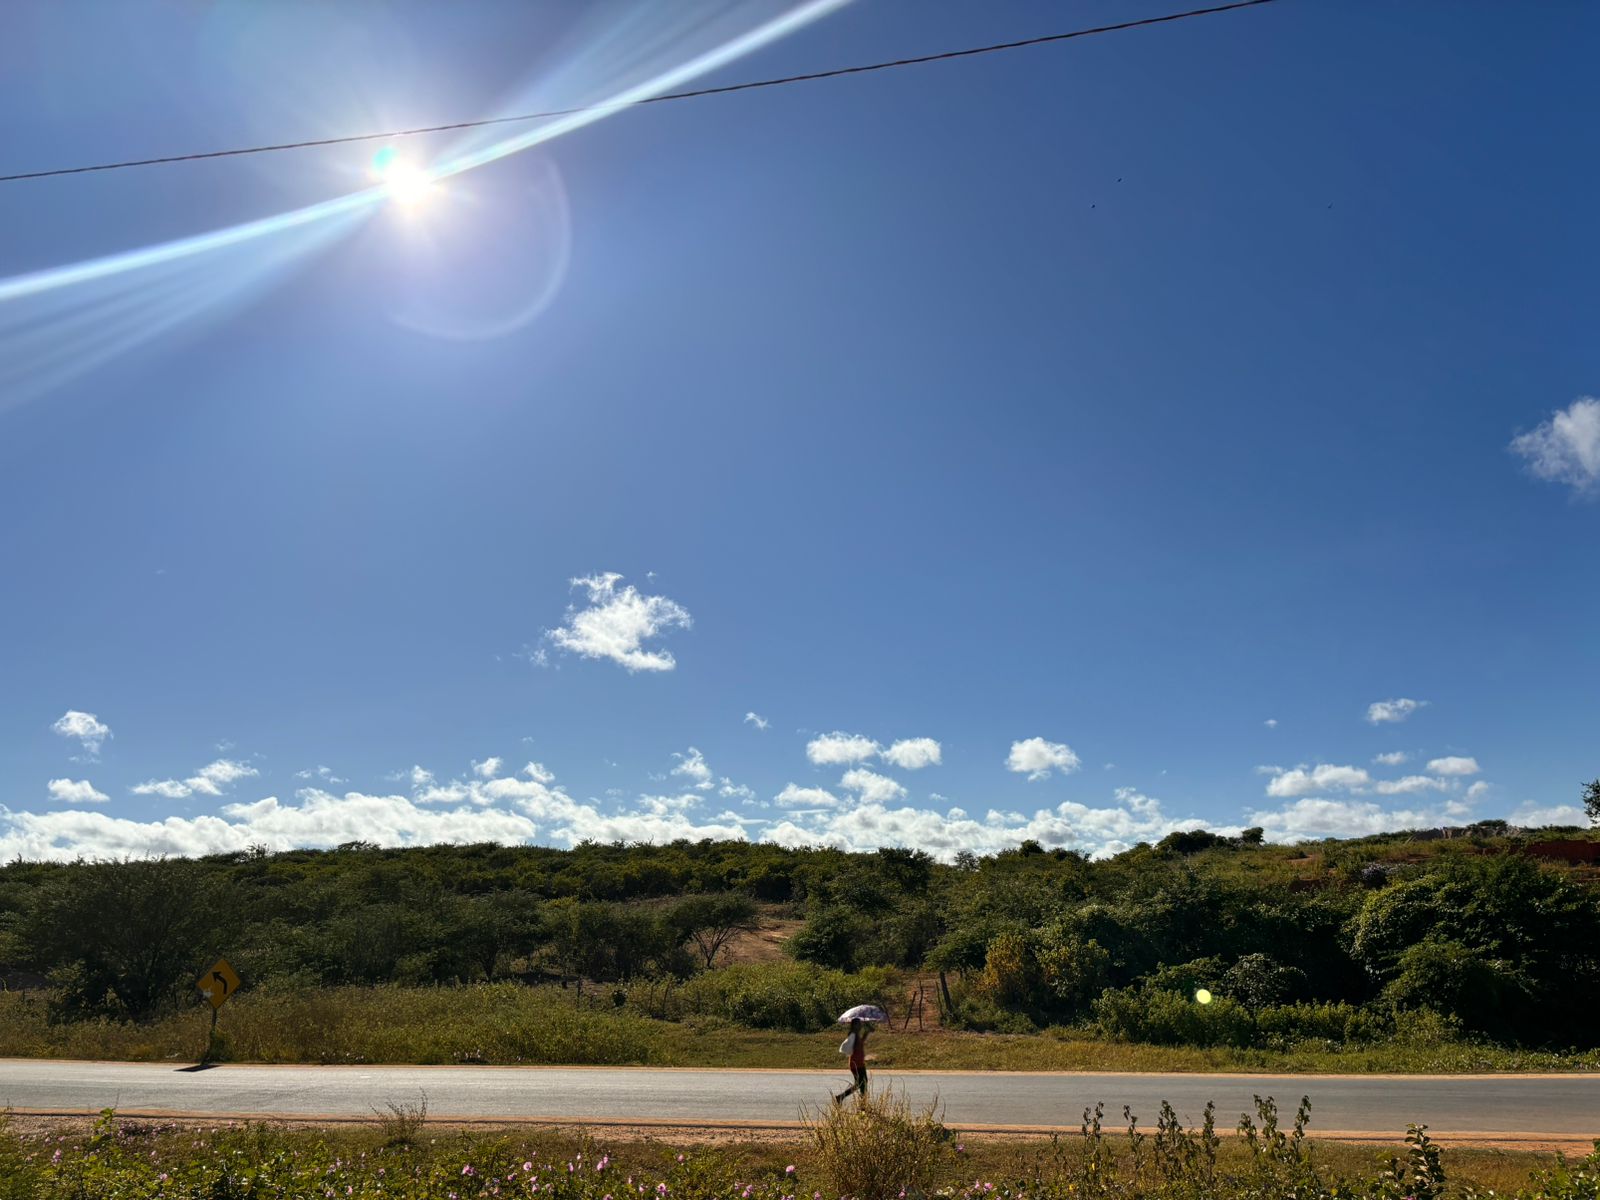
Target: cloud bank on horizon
(863, 808)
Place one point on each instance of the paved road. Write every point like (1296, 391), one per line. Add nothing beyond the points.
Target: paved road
(1558, 1106)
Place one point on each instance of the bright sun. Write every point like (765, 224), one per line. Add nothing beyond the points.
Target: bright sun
(405, 182)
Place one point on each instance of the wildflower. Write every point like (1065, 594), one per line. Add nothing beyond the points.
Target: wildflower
(467, 1170)
(680, 1158)
(961, 1147)
(527, 1166)
(661, 1188)
(789, 1170)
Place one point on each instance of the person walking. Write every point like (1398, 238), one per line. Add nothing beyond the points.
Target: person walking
(855, 1045)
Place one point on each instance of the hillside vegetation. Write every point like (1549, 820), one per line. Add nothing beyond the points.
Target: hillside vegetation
(1483, 939)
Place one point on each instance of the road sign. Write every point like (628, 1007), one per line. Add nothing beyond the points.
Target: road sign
(217, 984)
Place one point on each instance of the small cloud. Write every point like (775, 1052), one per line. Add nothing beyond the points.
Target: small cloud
(836, 749)
(912, 754)
(209, 780)
(1037, 758)
(1382, 712)
(324, 773)
(488, 768)
(756, 719)
(692, 766)
(1479, 790)
(617, 623)
(1454, 765)
(871, 787)
(1271, 722)
(1565, 448)
(1324, 777)
(1409, 785)
(795, 796)
(75, 791)
(1392, 759)
(736, 791)
(88, 729)
(539, 773)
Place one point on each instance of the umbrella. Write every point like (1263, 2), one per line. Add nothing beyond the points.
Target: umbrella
(863, 1012)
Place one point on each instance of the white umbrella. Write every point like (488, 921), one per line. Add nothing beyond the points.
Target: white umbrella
(863, 1012)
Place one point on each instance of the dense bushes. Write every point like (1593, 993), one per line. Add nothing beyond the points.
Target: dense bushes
(799, 997)
(1324, 942)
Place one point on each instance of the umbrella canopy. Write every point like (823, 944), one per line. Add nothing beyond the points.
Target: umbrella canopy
(863, 1012)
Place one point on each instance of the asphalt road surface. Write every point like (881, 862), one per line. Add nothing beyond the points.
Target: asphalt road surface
(1557, 1107)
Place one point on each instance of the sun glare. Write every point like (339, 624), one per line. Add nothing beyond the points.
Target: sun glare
(406, 183)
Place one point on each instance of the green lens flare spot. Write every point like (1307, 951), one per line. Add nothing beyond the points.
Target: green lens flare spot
(384, 159)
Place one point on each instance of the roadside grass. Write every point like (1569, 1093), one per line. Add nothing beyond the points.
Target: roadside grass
(510, 1023)
(120, 1157)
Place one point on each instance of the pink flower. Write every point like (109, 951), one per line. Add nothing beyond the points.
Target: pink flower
(527, 1166)
(467, 1170)
(661, 1188)
(789, 1170)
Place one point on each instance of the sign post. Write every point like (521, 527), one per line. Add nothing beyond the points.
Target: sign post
(217, 985)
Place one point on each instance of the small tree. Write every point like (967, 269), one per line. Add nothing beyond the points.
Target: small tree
(1591, 801)
(711, 921)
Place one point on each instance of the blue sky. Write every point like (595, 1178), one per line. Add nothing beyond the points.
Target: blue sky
(1073, 443)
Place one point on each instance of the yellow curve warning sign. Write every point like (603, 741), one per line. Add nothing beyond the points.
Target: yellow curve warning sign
(219, 983)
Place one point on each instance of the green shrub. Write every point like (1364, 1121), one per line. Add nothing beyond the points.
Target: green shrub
(801, 997)
(1167, 1018)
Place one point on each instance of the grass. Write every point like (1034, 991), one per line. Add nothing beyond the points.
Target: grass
(512, 1024)
(850, 1151)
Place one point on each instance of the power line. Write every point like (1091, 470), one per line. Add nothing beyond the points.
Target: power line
(750, 85)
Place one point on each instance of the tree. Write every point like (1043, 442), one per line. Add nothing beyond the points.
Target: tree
(1591, 800)
(711, 921)
(128, 935)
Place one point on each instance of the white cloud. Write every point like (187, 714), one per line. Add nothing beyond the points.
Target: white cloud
(736, 791)
(209, 780)
(213, 777)
(1453, 765)
(1392, 759)
(488, 768)
(75, 791)
(692, 766)
(1479, 790)
(508, 810)
(1565, 448)
(90, 731)
(1381, 712)
(324, 773)
(872, 787)
(538, 772)
(912, 754)
(795, 796)
(1319, 817)
(1532, 817)
(1409, 785)
(1271, 722)
(618, 622)
(1036, 758)
(1101, 831)
(420, 777)
(756, 719)
(172, 789)
(1303, 781)
(835, 749)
